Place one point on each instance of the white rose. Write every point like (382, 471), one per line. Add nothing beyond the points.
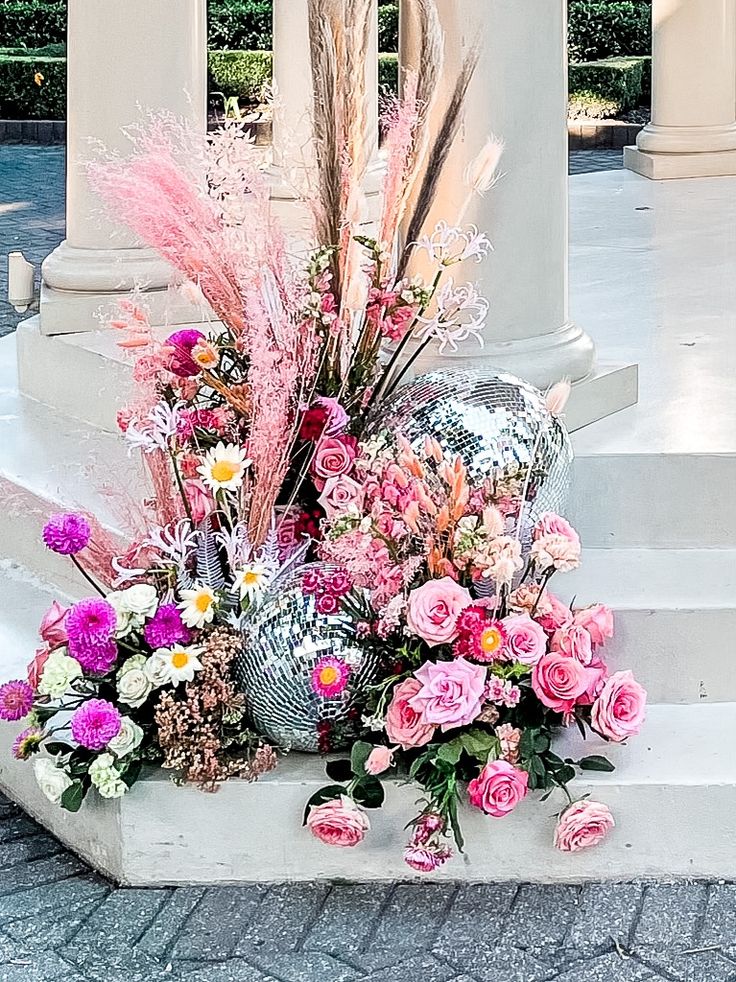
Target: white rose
(58, 673)
(134, 687)
(106, 778)
(124, 618)
(157, 671)
(128, 738)
(52, 780)
(133, 606)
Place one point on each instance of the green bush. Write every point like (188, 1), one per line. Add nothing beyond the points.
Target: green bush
(244, 74)
(607, 88)
(388, 72)
(241, 25)
(32, 25)
(608, 28)
(32, 87)
(388, 27)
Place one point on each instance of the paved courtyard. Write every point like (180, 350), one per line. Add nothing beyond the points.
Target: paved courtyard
(58, 920)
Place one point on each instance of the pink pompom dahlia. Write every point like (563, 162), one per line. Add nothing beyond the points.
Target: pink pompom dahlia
(67, 534)
(16, 700)
(27, 743)
(95, 724)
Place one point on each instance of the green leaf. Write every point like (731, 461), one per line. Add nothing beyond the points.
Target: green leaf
(541, 742)
(479, 743)
(564, 774)
(324, 794)
(359, 755)
(369, 792)
(596, 762)
(132, 772)
(57, 747)
(450, 752)
(339, 770)
(73, 797)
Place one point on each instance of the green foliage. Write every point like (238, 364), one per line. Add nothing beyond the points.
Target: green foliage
(31, 25)
(610, 87)
(24, 94)
(608, 28)
(240, 24)
(388, 27)
(244, 74)
(388, 72)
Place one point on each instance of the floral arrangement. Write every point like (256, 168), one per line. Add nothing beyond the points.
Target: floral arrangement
(484, 663)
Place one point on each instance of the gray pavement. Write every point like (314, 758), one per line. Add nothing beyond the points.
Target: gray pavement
(59, 920)
(32, 204)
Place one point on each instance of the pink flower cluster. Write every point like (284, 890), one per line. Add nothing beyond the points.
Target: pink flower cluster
(327, 588)
(389, 313)
(425, 851)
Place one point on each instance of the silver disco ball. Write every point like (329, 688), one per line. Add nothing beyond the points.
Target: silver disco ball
(294, 661)
(497, 423)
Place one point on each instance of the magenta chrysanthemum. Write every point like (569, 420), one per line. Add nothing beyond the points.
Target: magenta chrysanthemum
(91, 621)
(67, 534)
(16, 700)
(330, 676)
(166, 628)
(95, 657)
(27, 743)
(182, 342)
(95, 724)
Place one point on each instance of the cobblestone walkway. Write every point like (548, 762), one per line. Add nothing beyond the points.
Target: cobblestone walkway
(60, 921)
(32, 205)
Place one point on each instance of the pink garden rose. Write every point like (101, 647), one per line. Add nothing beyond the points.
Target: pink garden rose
(597, 621)
(575, 642)
(379, 760)
(35, 668)
(498, 789)
(555, 614)
(582, 825)
(433, 610)
(339, 494)
(451, 693)
(559, 681)
(404, 725)
(619, 710)
(53, 625)
(526, 641)
(334, 456)
(338, 822)
(199, 499)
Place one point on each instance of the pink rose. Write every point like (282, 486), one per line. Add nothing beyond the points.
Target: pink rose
(338, 822)
(526, 641)
(199, 498)
(555, 615)
(597, 621)
(451, 692)
(619, 710)
(404, 725)
(53, 625)
(582, 825)
(379, 760)
(559, 681)
(339, 494)
(574, 642)
(433, 610)
(334, 456)
(35, 668)
(499, 788)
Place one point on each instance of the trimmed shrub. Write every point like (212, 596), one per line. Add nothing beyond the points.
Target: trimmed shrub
(388, 27)
(244, 74)
(241, 25)
(388, 72)
(32, 25)
(32, 87)
(607, 88)
(608, 28)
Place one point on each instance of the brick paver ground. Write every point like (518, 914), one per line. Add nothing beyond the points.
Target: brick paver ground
(59, 920)
(32, 204)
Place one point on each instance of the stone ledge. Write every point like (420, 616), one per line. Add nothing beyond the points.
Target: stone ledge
(605, 134)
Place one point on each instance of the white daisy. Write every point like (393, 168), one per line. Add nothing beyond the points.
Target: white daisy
(223, 467)
(253, 579)
(198, 606)
(178, 664)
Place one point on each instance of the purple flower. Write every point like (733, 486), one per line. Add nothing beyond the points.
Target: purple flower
(16, 700)
(67, 534)
(95, 724)
(166, 628)
(95, 657)
(90, 621)
(182, 343)
(27, 743)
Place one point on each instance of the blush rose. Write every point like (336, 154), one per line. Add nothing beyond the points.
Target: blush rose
(559, 681)
(597, 621)
(526, 641)
(433, 610)
(451, 693)
(339, 494)
(575, 642)
(334, 456)
(404, 725)
(582, 825)
(620, 708)
(53, 625)
(498, 789)
(338, 822)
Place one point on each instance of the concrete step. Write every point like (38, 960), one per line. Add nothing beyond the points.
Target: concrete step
(25, 599)
(675, 617)
(673, 795)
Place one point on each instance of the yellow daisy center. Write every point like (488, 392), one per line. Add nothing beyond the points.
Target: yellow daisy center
(179, 659)
(203, 603)
(490, 640)
(250, 578)
(224, 471)
(328, 675)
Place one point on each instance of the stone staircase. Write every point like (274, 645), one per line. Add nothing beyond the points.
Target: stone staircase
(661, 549)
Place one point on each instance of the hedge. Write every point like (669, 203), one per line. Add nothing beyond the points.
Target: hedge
(241, 73)
(609, 87)
(32, 86)
(600, 29)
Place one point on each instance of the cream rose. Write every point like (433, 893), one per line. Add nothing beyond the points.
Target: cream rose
(134, 686)
(128, 738)
(59, 671)
(52, 780)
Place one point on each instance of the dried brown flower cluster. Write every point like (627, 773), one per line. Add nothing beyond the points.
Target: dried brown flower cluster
(200, 730)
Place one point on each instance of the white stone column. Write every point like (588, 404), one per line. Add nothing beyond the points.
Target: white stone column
(292, 121)
(518, 93)
(124, 57)
(693, 127)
